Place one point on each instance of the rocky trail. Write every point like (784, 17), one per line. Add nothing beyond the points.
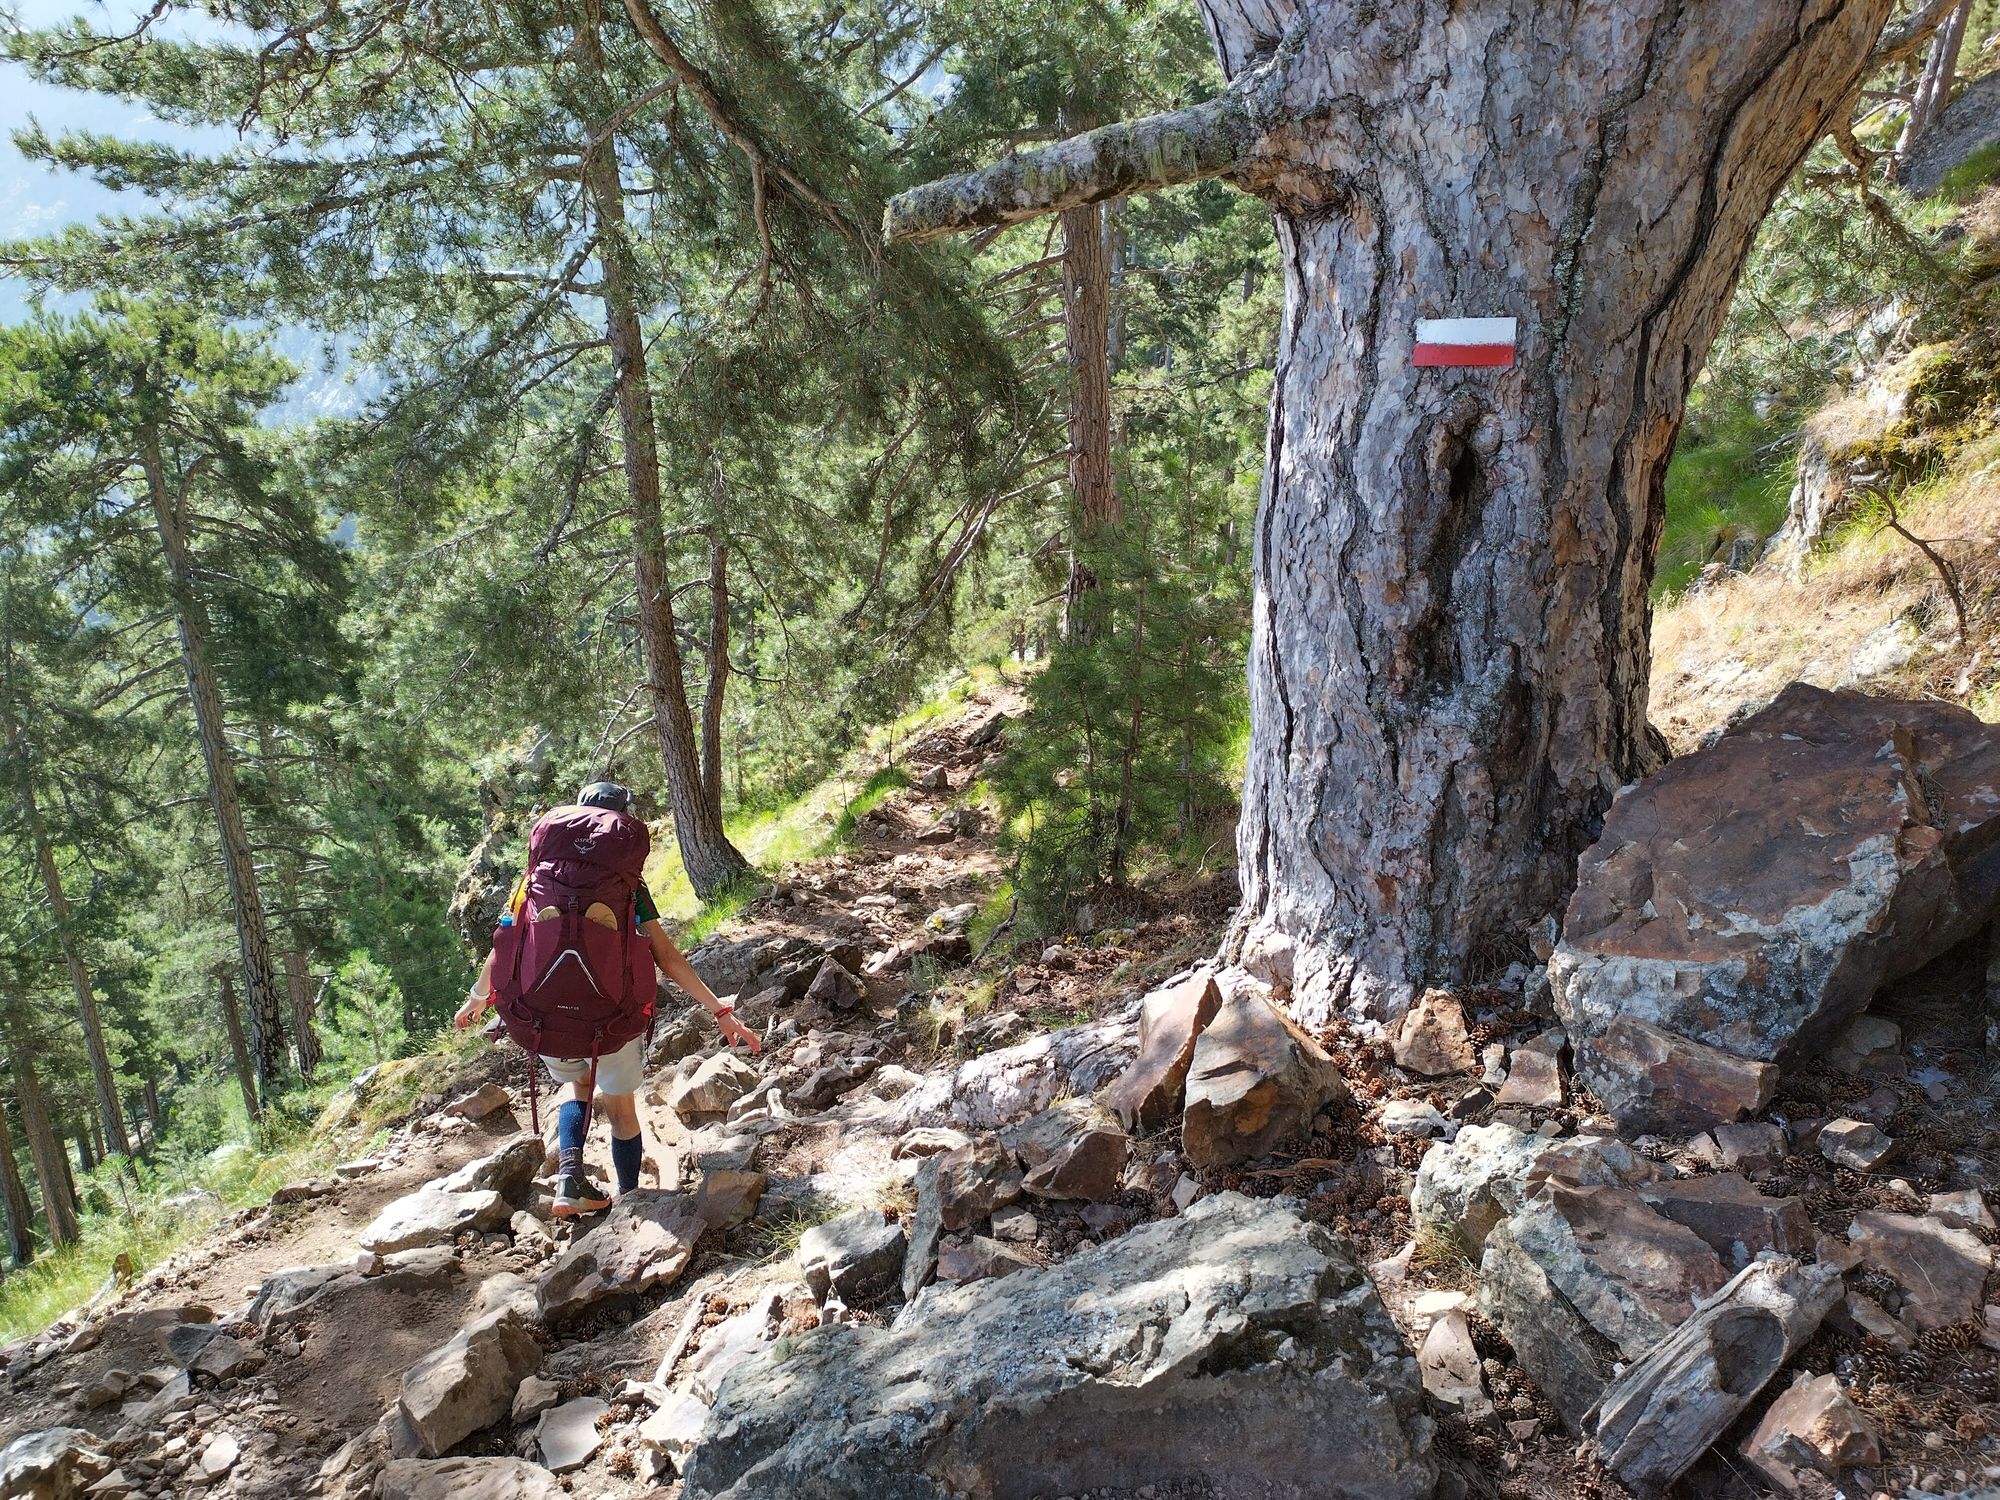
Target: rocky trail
(1688, 1198)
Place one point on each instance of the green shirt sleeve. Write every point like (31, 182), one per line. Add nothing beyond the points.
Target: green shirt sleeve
(643, 907)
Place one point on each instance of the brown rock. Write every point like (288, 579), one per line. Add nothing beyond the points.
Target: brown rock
(1754, 1147)
(645, 1241)
(1652, 1079)
(1812, 1426)
(1433, 1040)
(973, 1181)
(465, 1384)
(481, 1102)
(1941, 1267)
(835, 987)
(1735, 1220)
(1148, 1094)
(1449, 1364)
(725, 1197)
(975, 1258)
(1755, 895)
(1088, 1167)
(1854, 1144)
(1256, 1082)
(1534, 1075)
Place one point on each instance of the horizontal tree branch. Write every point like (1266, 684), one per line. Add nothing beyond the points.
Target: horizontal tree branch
(1209, 139)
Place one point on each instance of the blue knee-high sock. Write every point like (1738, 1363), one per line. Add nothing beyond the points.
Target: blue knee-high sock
(626, 1156)
(570, 1121)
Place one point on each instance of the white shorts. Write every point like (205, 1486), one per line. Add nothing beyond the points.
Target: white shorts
(619, 1072)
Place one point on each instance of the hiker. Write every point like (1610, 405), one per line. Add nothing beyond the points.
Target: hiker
(575, 989)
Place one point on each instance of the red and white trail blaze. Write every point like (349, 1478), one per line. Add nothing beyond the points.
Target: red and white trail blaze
(1465, 341)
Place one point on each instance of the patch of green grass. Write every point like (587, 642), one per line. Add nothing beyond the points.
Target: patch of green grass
(871, 796)
(1729, 476)
(999, 905)
(1970, 175)
(778, 1236)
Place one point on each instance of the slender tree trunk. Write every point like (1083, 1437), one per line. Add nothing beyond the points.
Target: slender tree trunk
(103, 1078)
(306, 1047)
(1449, 657)
(239, 1049)
(247, 904)
(85, 1160)
(153, 1107)
(712, 862)
(19, 1213)
(45, 1149)
(1086, 335)
(1934, 84)
(718, 672)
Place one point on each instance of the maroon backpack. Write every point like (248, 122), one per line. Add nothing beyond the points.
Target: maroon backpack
(567, 985)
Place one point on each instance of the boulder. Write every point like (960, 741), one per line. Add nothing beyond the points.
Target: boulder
(289, 1295)
(1449, 1364)
(1940, 1266)
(733, 1342)
(1256, 1083)
(1756, 1147)
(1813, 1426)
(1000, 1087)
(1753, 896)
(1465, 1188)
(467, 1479)
(645, 1241)
(1632, 1274)
(1147, 1096)
(434, 1215)
(673, 1429)
(1568, 1360)
(1433, 1040)
(1236, 1348)
(828, 1082)
(1650, 1079)
(466, 1383)
(973, 1181)
(510, 1171)
(703, 1097)
(835, 987)
(55, 1463)
(856, 1257)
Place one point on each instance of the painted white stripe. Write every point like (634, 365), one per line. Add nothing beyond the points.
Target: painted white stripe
(1466, 331)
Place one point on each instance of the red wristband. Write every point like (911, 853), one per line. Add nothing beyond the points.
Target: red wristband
(727, 1010)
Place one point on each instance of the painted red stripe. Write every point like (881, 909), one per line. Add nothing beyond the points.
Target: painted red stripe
(1483, 355)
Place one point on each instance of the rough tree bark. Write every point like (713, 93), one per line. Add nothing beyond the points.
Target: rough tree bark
(45, 1149)
(718, 672)
(712, 862)
(1448, 665)
(239, 1049)
(306, 1048)
(1935, 82)
(102, 1075)
(18, 1212)
(1086, 277)
(253, 941)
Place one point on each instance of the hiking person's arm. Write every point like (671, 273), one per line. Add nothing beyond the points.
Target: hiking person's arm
(675, 966)
(480, 996)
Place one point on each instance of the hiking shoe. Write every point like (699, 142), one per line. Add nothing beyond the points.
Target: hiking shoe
(577, 1194)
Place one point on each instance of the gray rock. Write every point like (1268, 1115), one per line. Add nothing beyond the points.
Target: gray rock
(1000, 1087)
(510, 1171)
(1236, 1346)
(466, 1383)
(467, 1479)
(856, 1257)
(646, 1240)
(1557, 1349)
(704, 1096)
(56, 1463)
(434, 1215)
(1467, 1187)
(567, 1435)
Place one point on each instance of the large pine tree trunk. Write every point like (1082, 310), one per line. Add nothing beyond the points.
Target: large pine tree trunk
(306, 1049)
(19, 1214)
(1449, 654)
(103, 1078)
(239, 1048)
(1448, 664)
(712, 862)
(205, 697)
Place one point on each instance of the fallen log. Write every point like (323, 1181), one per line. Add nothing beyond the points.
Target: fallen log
(1663, 1413)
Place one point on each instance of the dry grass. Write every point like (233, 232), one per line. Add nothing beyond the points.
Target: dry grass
(1736, 643)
